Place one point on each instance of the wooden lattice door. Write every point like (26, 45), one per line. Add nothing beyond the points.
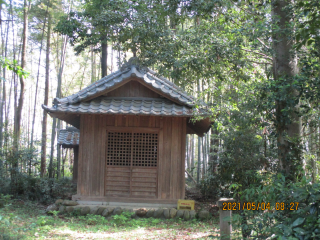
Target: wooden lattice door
(131, 163)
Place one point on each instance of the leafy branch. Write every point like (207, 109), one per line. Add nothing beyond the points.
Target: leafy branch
(13, 66)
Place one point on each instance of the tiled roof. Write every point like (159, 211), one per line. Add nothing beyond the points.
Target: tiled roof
(130, 69)
(69, 136)
(156, 107)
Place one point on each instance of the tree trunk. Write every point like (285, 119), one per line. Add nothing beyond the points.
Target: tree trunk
(56, 124)
(53, 136)
(17, 120)
(104, 59)
(193, 155)
(36, 92)
(313, 147)
(46, 96)
(112, 57)
(93, 66)
(214, 149)
(199, 159)
(285, 68)
(2, 106)
(204, 155)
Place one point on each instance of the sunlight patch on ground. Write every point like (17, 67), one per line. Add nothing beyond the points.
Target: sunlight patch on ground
(140, 233)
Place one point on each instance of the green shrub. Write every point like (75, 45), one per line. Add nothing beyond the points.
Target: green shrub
(40, 189)
(301, 222)
(121, 218)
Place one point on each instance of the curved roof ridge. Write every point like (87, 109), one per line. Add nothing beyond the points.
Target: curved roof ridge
(130, 69)
(170, 83)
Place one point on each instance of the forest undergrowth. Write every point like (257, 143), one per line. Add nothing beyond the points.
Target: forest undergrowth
(27, 220)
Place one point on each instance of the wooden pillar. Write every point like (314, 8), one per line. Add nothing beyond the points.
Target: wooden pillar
(75, 164)
(225, 218)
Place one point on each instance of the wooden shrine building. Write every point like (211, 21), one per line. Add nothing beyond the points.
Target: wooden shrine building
(69, 138)
(133, 127)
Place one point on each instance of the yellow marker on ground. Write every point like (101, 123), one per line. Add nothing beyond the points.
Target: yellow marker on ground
(185, 204)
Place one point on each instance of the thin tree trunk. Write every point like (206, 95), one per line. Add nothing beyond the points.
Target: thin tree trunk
(17, 122)
(53, 136)
(64, 161)
(204, 155)
(58, 95)
(112, 57)
(93, 66)
(193, 155)
(2, 91)
(214, 149)
(104, 59)
(2, 103)
(199, 160)
(18, 109)
(313, 147)
(36, 92)
(46, 96)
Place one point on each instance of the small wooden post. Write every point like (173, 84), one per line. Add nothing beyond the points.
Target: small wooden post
(225, 225)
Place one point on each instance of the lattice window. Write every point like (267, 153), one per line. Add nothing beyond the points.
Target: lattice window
(145, 149)
(119, 148)
(143, 146)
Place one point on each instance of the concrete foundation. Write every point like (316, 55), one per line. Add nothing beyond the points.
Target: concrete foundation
(129, 205)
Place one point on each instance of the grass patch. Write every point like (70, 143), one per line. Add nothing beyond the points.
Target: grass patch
(27, 220)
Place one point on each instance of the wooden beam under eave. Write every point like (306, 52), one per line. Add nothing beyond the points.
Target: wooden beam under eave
(71, 118)
(199, 127)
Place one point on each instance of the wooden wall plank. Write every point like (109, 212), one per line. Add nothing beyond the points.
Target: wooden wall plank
(90, 163)
(157, 122)
(102, 154)
(178, 159)
(96, 156)
(131, 120)
(133, 89)
(174, 158)
(110, 120)
(136, 121)
(85, 153)
(183, 155)
(160, 159)
(93, 148)
(118, 120)
(167, 136)
(152, 121)
(80, 159)
(144, 121)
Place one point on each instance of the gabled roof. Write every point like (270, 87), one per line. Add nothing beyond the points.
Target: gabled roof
(171, 100)
(128, 70)
(69, 137)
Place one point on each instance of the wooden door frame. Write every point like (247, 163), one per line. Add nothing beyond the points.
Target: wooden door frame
(132, 130)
